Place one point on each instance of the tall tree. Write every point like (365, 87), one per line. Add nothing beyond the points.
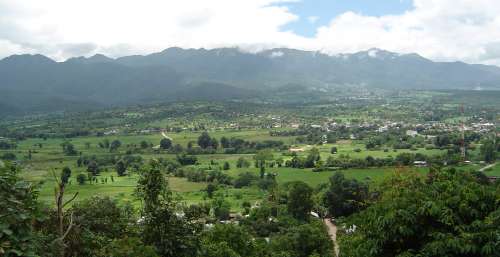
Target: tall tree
(165, 143)
(344, 196)
(299, 200)
(170, 233)
(489, 151)
(204, 140)
(121, 167)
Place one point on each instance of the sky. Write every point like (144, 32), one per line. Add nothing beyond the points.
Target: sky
(442, 30)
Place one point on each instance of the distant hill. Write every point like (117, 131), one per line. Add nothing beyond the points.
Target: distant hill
(31, 83)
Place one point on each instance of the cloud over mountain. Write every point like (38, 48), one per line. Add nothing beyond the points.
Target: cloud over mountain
(466, 30)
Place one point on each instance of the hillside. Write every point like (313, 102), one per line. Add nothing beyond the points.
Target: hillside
(31, 83)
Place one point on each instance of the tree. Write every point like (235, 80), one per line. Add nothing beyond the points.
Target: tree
(114, 145)
(445, 214)
(93, 168)
(69, 149)
(65, 174)
(244, 179)
(165, 143)
(226, 166)
(227, 241)
(305, 240)
(262, 156)
(19, 209)
(81, 178)
(121, 168)
(204, 140)
(222, 208)
(144, 144)
(224, 142)
(242, 163)
(63, 230)
(103, 219)
(299, 200)
(127, 247)
(344, 196)
(489, 151)
(214, 143)
(169, 233)
(211, 188)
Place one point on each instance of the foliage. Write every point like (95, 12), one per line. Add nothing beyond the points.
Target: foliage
(121, 168)
(163, 228)
(81, 179)
(299, 200)
(344, 196)
(99, 221)
(489, 151)
(446, 214)
(127, 247)
(165, 143)
(65, 174)
(19, 208)
(304, 241)
(227, 240)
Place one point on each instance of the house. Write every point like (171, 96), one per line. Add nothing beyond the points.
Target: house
(493, 179)
(412, 133)
(420, 163)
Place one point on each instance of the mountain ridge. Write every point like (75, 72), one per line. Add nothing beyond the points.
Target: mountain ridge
(173, 73)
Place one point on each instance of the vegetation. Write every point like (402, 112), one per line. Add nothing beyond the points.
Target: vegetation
(248, 179)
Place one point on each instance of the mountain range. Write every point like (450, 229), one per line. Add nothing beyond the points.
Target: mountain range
(36, 83)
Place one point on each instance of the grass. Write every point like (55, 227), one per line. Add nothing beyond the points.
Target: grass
(49, 158)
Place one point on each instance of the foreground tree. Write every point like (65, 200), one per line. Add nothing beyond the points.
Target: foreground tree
(19, 208)
(163, 227)
(446, 214)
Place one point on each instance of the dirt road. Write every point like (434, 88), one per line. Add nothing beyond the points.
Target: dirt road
(487, 167)
(332, 231)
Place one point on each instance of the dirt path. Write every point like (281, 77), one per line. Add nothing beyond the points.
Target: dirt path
(487, 167)
(165, 136)
(332, 231)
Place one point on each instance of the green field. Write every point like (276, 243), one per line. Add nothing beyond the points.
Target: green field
(49, 158)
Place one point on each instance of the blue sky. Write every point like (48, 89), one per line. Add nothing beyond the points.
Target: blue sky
(442, 30)
(326, 10)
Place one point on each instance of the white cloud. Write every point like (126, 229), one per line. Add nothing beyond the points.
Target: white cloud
(439, 29)
(276, 54)
(312, 19)
(467, 30)
(143, 26)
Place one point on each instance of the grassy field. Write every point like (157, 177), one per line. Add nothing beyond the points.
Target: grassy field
(49, 158)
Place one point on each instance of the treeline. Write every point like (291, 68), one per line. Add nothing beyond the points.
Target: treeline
(163, 226)
(210, 145)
